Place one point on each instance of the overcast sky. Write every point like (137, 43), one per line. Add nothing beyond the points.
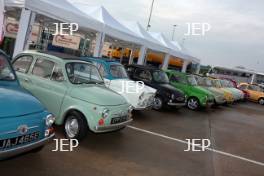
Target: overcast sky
(235, 39)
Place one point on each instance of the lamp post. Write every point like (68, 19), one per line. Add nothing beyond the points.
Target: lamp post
(173, 31)
(150, 14)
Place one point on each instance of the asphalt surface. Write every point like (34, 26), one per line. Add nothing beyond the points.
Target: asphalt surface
(154, 147)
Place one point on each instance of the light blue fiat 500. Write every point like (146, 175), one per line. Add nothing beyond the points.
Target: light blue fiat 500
(25, 125)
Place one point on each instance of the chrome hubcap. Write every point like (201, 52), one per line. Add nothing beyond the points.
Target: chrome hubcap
(72, 127)
(193, 104)
(261, 101)
(157, 103)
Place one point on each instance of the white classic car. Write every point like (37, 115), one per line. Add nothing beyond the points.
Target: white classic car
(140, 96)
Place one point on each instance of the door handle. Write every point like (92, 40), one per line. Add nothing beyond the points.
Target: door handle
(26, 80)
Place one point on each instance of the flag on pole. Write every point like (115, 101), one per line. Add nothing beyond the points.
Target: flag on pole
(2, 10)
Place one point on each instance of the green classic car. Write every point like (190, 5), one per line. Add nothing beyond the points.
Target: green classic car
(206, 83)
(74, 92)
(196, 96)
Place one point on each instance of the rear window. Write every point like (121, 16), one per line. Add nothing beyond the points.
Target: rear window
(118, 71)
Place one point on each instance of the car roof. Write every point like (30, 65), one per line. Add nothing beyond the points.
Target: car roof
(148, 67)
(54, 55)
(177, 72)
(244, 84)
(101, 59)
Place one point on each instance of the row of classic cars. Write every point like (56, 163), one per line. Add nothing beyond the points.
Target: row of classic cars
(93, 94)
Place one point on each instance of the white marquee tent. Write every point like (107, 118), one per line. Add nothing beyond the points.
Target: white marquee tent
(183, 50)
(61, 10)
(152, 43)
(111, 26)
(95, 19)
(165, 42)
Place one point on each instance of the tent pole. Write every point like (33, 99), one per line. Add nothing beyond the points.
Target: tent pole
(100, 36)
(26, 22)
(166, 60)
(122, 55)
(142, 53)
(185, 65)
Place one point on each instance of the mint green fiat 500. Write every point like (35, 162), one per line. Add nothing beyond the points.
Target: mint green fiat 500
(74, 92)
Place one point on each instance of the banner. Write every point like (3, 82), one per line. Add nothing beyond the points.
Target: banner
(11, 29)
(67, 41)
(2, 11)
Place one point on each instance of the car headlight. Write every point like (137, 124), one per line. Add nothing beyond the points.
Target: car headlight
(105, 113)
(50, 119)
(206, 98)
(130, 109)
(172, 96)
(141, 96)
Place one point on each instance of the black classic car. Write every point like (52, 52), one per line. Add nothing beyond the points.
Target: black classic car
(166, 94)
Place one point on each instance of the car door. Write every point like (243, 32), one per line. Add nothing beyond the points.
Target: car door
(253, 93)
(48, 84)
(22, 66)
(179, 82)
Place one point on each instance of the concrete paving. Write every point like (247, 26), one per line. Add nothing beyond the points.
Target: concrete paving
(154, 150)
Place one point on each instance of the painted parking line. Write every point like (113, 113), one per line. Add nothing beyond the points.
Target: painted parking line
(209, 149)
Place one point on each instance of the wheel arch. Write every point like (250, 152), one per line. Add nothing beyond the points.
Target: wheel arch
(192, 96)
(260, 98)
(70, 110)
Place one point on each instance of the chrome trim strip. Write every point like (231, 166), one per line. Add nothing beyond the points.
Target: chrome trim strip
(176, 104)
(14, 131)
(15, 151)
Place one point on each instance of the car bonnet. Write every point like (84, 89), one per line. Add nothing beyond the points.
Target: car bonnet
(97, 94)
(17, 102)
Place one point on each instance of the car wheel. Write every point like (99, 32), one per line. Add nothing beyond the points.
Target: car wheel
(158, 103)
(261, 101)
(193, 103)
(75, 126)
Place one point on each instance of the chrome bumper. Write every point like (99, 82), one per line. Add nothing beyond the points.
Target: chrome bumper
(143, 108)
(220, 102)
(209, 104)
(24, 148)
(176, 104)
(113, 127)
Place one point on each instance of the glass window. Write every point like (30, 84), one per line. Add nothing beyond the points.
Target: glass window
(200, 80)
(178, 79)
(254, 88)
(102, 70)
(57, 74)
(243, 87)
(174, 78)
(83, 73)
(191, 80)
(143, 74)
(216, 83)
(22, 64)
(118, 71)
(43, 68)
(6, 73)
(160, 77)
